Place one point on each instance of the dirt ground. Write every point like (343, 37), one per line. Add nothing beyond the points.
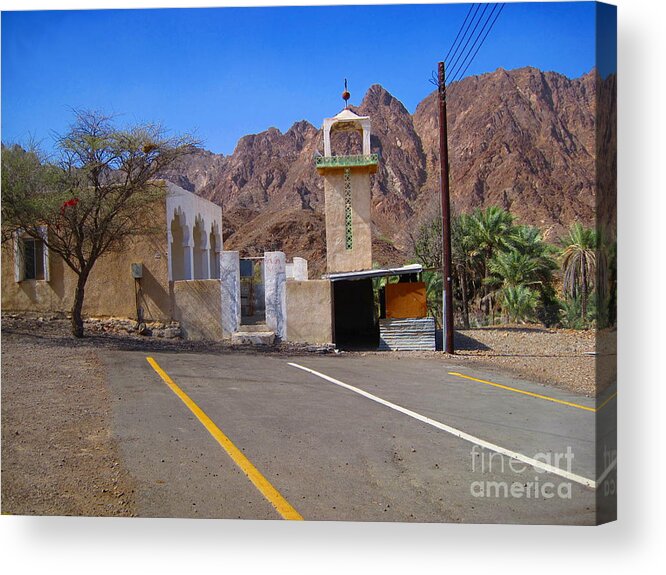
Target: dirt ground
(58, 455)
(570, 359)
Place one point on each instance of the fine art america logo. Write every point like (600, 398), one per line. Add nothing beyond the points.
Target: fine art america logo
(531, 487)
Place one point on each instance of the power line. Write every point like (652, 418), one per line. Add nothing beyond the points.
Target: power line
(476, 10)
(460, 66)
(446, 58)
(455, 62)
(434, 77)
(482, 41)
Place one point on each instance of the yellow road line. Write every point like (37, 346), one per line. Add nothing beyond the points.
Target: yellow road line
(273, 496)
(607, 400)
(537, 395)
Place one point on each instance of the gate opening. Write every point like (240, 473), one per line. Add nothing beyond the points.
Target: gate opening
(253, 302)
(355, 315)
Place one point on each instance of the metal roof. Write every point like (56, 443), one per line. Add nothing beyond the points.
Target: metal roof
(410, 269)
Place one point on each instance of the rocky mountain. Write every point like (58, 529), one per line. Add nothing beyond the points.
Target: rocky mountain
(522, 139)
(529, 148)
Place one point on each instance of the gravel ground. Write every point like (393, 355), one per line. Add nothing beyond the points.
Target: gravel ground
(58, 456)
(569, 359)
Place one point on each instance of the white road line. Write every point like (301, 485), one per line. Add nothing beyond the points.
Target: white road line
(457, 432)
(607, 471)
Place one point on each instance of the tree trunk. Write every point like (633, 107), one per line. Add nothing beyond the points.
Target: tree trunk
(77, 307)
(583, 290)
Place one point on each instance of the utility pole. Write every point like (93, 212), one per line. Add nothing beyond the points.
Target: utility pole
(446, 214)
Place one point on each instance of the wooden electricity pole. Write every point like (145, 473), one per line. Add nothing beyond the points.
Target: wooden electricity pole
(446, 215)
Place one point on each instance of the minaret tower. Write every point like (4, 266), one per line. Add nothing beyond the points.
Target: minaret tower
(347, 195)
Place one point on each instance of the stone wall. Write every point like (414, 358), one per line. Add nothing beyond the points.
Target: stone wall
(309, 311)
(198, 308)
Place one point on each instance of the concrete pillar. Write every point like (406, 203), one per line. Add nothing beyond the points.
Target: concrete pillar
(327, 139)
(231, 297)
(300, 269)
(275, 285)
(366, 141)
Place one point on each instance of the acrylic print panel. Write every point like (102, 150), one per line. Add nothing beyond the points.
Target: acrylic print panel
(225, 222)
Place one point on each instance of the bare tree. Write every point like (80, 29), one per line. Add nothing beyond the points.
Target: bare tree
(97, 195)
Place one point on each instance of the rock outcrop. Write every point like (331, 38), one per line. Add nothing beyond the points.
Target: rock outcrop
(522, 139)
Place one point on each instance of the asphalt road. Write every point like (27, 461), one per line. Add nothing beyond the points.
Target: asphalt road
(416, 450)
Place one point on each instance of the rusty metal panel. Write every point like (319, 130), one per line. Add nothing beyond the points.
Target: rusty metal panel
(405, 300)
(416, 334)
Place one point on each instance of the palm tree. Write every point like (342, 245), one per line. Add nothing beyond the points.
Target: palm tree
(492, 229)
(529, 242)
(464, 263)
(578, 261)
(513, 269)
(519, 302)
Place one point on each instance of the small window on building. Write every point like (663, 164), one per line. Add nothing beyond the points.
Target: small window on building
(31, 258)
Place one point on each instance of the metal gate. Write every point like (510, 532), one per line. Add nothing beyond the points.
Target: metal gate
(253, 307)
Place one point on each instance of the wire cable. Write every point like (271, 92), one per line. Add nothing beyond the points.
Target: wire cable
(463, 61)
(471, 7)
(455, 62)
(433, 75)
(482, 42)
(476, 10)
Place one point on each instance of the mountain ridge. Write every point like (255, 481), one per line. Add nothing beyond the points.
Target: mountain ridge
(523, 139)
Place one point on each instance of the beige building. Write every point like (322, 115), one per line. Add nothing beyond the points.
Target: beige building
(189, 248)
(182, 274)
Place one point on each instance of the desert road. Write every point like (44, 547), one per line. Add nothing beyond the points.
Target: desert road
(353, 437)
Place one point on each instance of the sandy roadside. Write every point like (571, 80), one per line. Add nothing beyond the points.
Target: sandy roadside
(58, 456)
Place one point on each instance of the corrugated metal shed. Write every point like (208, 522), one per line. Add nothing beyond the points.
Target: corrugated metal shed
(416, 334)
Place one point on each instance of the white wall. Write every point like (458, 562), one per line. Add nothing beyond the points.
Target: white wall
(192, 209)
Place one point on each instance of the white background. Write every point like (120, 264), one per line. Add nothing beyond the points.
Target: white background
(633, 543)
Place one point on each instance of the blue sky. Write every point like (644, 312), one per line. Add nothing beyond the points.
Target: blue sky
(227, 72)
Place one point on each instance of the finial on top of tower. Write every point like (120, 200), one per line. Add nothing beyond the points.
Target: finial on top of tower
(346, 95)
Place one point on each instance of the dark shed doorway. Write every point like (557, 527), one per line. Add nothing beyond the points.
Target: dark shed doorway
(356, 306)
(356, 324)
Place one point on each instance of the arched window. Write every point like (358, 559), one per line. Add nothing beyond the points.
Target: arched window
(215, 247)
(200, 250)
(180, 252)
